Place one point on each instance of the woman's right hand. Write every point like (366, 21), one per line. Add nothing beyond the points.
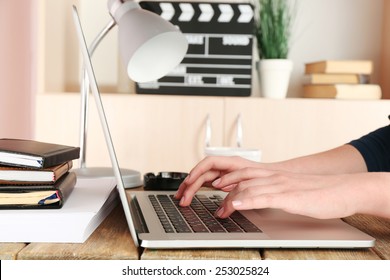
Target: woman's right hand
(207, 171)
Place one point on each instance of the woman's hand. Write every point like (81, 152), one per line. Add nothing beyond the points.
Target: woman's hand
(256, 186)
(318, 196)
(206, 171)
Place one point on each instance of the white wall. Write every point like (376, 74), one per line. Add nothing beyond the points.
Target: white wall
(335, 29)
(324, 29)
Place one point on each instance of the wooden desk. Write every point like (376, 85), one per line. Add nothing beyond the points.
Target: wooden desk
(112, 240)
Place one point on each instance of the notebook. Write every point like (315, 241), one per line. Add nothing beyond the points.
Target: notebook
(156, 221)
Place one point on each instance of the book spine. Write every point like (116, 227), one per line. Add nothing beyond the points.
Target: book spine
(66, 187)
(58, 158)
(61, 170)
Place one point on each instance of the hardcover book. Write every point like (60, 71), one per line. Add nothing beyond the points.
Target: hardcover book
(321, 78)
(37, 196)
(343, 91)
(34, 154)
(10, 175)
(340, 67)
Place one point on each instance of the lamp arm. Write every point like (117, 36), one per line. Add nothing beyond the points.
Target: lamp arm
(84, 90)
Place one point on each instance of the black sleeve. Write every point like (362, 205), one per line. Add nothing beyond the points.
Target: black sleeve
(375, 149)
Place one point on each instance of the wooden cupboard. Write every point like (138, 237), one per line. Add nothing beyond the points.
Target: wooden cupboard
(167, 133)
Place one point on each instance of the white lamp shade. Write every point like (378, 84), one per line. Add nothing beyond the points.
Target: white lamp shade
(149, 45)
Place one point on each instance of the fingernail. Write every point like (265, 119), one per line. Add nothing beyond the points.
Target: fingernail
(182, 200)
(236, 203)
(216, 182)
(219, 212)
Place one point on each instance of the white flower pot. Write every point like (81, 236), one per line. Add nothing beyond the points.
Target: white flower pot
(275, 77)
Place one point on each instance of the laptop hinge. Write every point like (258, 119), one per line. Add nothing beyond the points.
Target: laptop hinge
(138, 218)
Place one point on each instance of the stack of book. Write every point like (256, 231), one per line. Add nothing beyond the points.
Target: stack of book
(35, 175)
(340, 79)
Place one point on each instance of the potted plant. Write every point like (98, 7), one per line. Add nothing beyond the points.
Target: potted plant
(273, 29)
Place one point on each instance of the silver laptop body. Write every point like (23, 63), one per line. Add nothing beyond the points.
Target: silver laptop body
(276, 229)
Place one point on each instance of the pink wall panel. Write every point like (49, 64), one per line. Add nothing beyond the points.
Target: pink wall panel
(17, 67)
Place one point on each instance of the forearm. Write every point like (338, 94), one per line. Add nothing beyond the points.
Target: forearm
(370, 153)
(370, 193)
(344, 159)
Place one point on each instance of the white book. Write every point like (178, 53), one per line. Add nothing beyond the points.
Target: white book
(89, 204)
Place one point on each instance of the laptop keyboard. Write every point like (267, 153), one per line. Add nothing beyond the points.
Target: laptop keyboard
(198, 217)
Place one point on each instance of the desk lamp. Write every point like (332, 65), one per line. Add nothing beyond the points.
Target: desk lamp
(150, 47)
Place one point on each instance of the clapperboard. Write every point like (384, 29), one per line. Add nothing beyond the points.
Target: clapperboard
(219, 59)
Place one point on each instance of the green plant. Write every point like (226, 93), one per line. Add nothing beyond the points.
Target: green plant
(273, 29)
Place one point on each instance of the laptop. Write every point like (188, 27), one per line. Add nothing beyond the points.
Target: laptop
(156, 221)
